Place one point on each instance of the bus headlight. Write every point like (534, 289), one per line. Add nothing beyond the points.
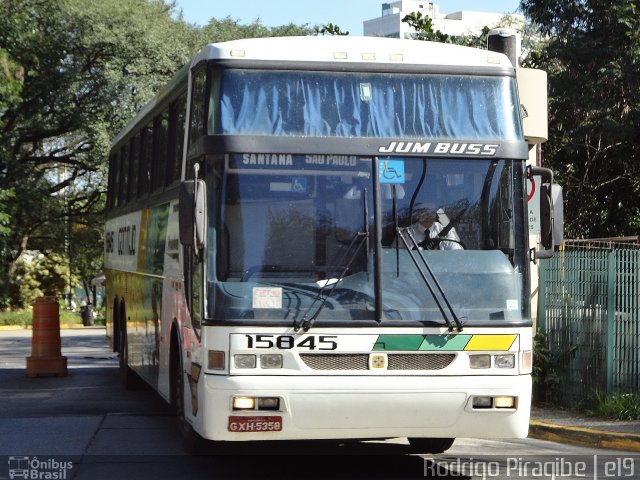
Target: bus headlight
(271, 360)
(244, 403)
(480, 361)
(482, 402)
(244, 361)
(268, 403)
(504, 402)
(256, 403)
(505, 361)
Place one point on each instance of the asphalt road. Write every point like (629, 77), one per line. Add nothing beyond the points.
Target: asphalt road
(85, 426)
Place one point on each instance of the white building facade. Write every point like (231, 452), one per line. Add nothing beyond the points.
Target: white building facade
(390, 23)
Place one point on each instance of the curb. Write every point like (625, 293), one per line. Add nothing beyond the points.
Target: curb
(64, 326)
(6, 328)
(586, 437)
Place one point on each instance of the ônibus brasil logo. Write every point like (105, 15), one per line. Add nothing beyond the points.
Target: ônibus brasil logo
(33, 468)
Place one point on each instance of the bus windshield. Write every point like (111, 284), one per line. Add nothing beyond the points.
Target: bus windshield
(357, 104)
(293, 231)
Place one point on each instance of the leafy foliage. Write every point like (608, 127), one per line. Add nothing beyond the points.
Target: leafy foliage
(72, 74)
(84, 68)
(424, 28)
(423, 25)
(592, 56)
(230, 29)
(329, 29)
(545, 369)
(23, 318)
(618, 406)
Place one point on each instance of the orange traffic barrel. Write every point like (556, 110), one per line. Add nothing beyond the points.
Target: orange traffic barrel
(46, 358)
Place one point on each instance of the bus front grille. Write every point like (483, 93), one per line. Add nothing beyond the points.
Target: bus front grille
(360, 361)
(336, 361)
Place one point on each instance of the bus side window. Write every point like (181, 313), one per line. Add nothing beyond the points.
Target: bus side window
(134, 161)
(197, 120)
(213, 120)
(177, 115)
(112, 191)
(123, 174)
(160, 150)
(146, 157)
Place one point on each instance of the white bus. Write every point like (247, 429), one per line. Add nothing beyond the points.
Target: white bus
(263, 270)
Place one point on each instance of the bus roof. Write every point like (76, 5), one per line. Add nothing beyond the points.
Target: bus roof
(352, 49)
(336, 49)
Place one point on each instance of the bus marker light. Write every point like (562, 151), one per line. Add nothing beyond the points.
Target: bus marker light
(340, 55)
(216, 360)
(504, 402)
(271, 360)
(526, 362)
(482, 402)
(244, 403)
(480, 361)
(244, 361)
(396, 57)
(505, 361)
(237, 53)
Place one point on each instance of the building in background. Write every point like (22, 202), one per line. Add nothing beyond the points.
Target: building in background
(390, 24)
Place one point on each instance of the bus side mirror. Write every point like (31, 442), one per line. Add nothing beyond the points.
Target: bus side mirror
(558, 214)
(191, 214)
(551, 213)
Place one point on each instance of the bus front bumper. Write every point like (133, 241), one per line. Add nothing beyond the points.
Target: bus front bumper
(363, 407)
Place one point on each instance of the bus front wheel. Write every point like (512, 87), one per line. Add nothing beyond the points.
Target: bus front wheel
(430, 445)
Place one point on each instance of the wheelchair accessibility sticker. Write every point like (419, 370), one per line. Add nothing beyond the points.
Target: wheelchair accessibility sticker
(391, 171)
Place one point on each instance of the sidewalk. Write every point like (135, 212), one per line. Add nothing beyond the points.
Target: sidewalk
(571, 427)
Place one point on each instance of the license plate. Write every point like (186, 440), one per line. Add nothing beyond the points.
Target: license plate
(255, 424)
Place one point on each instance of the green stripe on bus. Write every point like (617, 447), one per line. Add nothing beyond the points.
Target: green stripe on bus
(445, 342)
(398, 342)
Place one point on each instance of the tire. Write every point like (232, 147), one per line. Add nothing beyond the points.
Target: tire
(430, 445)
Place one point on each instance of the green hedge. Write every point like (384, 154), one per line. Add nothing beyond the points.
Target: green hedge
(24, 318)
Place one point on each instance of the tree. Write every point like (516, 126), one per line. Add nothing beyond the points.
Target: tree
(77, 71)
(229, 29)
(423, 25)
(593, 61)
(72, 74)
(329, 29)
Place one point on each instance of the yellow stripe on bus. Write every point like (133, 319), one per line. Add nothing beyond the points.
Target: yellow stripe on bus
(490, 342)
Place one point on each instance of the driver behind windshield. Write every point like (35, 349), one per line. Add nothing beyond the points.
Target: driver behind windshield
(429, 233)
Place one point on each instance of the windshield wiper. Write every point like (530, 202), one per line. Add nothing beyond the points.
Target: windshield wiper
(308, 321)
(400, 233)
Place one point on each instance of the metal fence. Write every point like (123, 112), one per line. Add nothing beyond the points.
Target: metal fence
(589, 317)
